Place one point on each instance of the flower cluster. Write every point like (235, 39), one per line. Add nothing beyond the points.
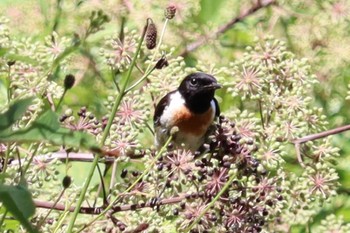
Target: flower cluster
(227, 166)
(245, 177)
(118, 52)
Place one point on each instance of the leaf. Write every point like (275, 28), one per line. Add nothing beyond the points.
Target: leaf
(3, 93)
(47, 128)
(14, 113)
(209, 10)
(21, 58)
(3, 51)
(18, 201)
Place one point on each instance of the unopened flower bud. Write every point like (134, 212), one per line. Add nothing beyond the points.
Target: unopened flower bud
(170, 12)
(174, 130)
(69, 81)
(151, 35)
(67, 180)
(162, 62)
(11, 63)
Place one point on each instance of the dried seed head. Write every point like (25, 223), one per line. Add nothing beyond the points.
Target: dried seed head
(151, 35)
(69, 81)
(170, 12)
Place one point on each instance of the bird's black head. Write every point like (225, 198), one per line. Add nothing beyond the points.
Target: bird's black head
(198, 90)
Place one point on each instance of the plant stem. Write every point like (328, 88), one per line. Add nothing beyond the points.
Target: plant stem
(322, 134)
(261, 114)
(9, 85)
(7, 156)
(58, 15)
(50, 210)
(160, 152)
(140, 80)
(113, 176)
(212, 35)
(299, 141)
(127, 207)
(61, 99)
(110, 206)
(105, 134)
(228, 183)
(149, 70)
(31, 159)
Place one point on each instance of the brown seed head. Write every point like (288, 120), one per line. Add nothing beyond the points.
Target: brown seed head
(170, 12)
(151, 35)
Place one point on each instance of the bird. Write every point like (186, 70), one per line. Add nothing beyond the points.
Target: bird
(192, 108)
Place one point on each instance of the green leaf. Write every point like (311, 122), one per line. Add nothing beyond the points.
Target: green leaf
(3, 93)
(21, 58)
(14, 113)
(3, 51)
(47, 128)
(209, 10)
(18, 201)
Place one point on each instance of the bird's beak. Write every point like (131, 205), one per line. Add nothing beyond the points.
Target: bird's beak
(212, 86)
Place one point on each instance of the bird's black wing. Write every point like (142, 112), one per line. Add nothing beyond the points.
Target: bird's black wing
(217, 108)
(160, 108)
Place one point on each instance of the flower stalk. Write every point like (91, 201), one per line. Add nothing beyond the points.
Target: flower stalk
(106, 133)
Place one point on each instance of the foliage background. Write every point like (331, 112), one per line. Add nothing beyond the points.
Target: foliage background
(313, 29)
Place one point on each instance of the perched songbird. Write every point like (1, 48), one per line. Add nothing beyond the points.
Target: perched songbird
(192, 108)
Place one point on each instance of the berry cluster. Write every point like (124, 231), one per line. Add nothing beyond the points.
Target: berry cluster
(187, 183)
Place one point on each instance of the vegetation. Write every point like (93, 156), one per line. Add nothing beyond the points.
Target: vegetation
(78, 84)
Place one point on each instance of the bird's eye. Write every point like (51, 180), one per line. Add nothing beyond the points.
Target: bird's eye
(194, 82)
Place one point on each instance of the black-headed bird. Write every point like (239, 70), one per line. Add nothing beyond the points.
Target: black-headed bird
(191, 108)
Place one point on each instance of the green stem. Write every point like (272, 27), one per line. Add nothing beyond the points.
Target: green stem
(261, 114)
(7, 156)
(50, 210)
(149, 70)
(29, 163)
(228, 183)
(9, 85)
(105, 134)
(160, 152)
(61, 99)
(58, 227)
(58, 15)
(144, 77)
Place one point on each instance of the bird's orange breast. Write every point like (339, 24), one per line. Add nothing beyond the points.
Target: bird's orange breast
(196, 124)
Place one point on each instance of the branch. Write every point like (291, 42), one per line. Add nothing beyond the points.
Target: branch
(97, 210)
(62, 207)
(213, 35)
(322, 134)
(316, 136)
(62, 156)
(110, 157)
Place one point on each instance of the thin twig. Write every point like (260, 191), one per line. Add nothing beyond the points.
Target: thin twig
(299, 141)
(322, 134)
(213, 35)
(62, 156)
(98, 210)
